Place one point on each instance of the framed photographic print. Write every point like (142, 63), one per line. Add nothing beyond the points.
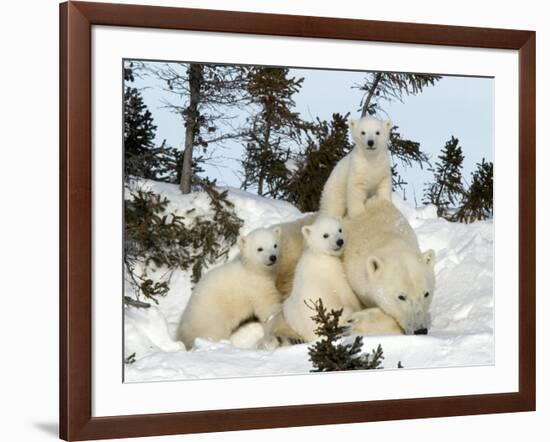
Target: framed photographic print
(272, 220)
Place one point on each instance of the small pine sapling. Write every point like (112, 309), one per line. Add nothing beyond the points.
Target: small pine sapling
(327, 354)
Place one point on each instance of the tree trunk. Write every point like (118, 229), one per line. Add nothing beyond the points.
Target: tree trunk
(191, 119)
(261, 183)
(366, 104)
(264, 148)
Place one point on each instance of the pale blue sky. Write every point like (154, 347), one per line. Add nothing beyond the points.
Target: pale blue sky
(459, 106)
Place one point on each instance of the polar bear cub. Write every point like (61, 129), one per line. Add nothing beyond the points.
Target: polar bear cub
(365, 171)
(319, 274)
(229, 295)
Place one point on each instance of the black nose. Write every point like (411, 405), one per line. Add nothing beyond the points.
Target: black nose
(340, 242)
(421, 331)
(370, 143)
(273, 258)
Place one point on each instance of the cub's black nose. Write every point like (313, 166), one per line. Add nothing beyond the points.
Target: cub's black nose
(421, 331)
(340, 242)
(273, 258)
(370, 143)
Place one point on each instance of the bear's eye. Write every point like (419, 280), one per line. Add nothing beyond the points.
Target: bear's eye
(339, 230)
(402, 297)
(260, 249)
(377, 133)
(274, 246)
(362, 132)
(426, 294)
(325, 235)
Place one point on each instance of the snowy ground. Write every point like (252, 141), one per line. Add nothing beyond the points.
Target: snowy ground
(461, 332)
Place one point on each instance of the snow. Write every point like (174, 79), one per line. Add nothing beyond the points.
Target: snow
(292, 165)
(461, 332)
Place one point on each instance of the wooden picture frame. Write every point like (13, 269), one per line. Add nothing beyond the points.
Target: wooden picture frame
(76, 21)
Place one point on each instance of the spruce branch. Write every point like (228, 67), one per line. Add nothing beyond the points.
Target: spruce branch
(157, 238)
(327, 142)
(135, 303)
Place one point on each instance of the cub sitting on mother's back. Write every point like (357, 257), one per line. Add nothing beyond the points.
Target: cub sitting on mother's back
(243, 288)
(365, 171)
(319, 274)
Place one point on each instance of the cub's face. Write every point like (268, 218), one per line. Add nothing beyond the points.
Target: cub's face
(261, 247)
(325, 235)
(404, 289)
(370, 134)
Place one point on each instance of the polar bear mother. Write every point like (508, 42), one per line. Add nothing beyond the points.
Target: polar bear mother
(384, 266)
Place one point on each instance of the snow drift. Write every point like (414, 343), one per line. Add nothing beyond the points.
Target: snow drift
(461, 332)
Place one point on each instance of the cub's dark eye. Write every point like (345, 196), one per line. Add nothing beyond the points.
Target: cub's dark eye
(260, 249)
(275, 246)
(362, 132)
(377, 132)
(402, 297)
(426, 294)
(325, 235)
(339, 230)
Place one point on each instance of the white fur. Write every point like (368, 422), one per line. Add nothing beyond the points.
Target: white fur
(319, 275)
(386, 268)
(292, 246)
(364, 172)
(233, 292)
(248, 336)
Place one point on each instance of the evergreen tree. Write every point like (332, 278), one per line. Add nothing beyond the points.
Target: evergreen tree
(477, 202)
(391, 86)
(326, 144)
(205, 94)
(327, 354)
(447, 189)
(140, 154)
(272, 131)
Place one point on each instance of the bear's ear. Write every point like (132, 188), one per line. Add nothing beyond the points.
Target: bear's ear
(373, 265)
(277, 231)
(306, 231)
(241, 242)
(352, 123)
(429, 257)
(388, 125)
